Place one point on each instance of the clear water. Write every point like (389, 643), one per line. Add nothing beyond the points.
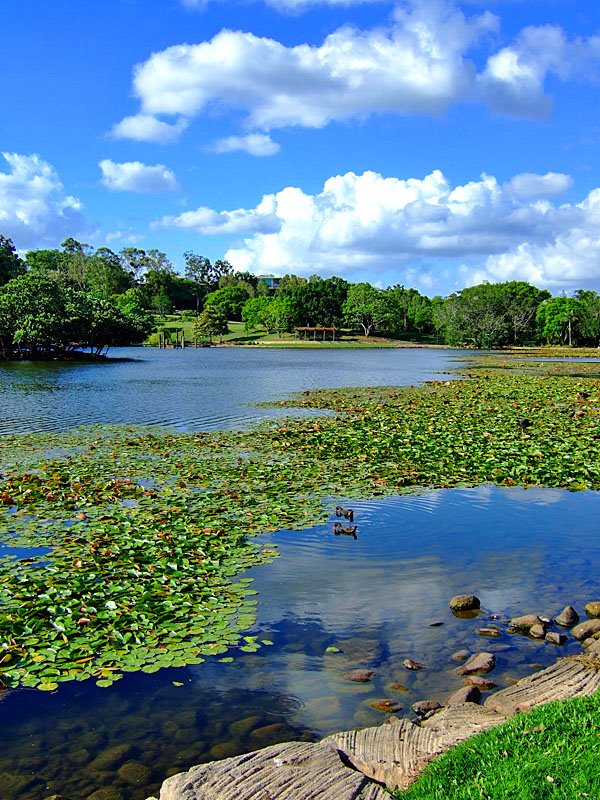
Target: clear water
(373, 599)
(192, 390)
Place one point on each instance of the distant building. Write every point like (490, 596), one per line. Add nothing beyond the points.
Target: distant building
(272, 281)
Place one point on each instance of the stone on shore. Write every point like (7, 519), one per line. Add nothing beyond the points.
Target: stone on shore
(593, 609)
(525, 622)
(465, 602)
(537, 631)
(480, 663)
(586, 629)
(567, 617)
(466, 694)
(483, 684)
(554, 637)
(423, 707)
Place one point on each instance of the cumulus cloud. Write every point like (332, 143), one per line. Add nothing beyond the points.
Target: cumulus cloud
(570, 257)
(256, 144)
(528, 185)
(415, 66)
(260, 220)
(415, 230)
(133, 176)
(34, 208)
(146, 128)
(513, 80)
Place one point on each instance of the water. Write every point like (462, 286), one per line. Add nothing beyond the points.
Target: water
(192, 390)
(328, 604)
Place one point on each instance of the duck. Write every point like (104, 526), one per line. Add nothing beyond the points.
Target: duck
(344, 512)
(348, 530)
(524, 424)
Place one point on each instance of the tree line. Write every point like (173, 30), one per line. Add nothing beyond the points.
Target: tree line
(56, 301)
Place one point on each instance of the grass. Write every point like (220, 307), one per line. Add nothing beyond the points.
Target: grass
(551, 752)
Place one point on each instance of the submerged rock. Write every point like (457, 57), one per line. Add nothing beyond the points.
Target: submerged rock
(492, 632)
(460, 655)
(483, 684)
(359, 675)
(389, 706)
(537, 631)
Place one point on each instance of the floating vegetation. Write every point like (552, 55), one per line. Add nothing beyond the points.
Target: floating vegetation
(150, 531)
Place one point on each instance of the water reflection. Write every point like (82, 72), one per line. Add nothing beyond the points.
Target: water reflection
(204, 389)
(329, 604)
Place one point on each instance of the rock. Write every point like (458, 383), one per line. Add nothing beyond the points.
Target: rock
(112, 757)
(241, 727)
(222, 750)
(585, 629)
(423, 707)
(436, 624)
(359, 651)
(389, 706)
(465, 602)
(478, 663)
(492, 632)
(537, 631)
(526, 622)
(106, 793)
(409, 663)
(483, 684)
(359, 675)
(556, 638)
(593, 609)
(460, 655)
(592, 646)
(467, 694)
(567, 617)
(134, 773)
(269, 734)
(399, 687)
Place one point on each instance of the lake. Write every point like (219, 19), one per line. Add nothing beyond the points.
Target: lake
(329, 604)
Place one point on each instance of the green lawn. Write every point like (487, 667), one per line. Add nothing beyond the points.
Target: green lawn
(552, 752)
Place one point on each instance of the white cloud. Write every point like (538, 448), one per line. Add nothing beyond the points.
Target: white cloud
(528, 185)
(415, 66)
(133, 176)
(513, 81)
(256, 144)
(415, 230)
(569, 258)
(146, 128)
(260, 220)
(34, 208)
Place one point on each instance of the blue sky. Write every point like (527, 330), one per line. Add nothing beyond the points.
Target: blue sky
(429, 143)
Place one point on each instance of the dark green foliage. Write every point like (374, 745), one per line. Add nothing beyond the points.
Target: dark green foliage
(11, 266)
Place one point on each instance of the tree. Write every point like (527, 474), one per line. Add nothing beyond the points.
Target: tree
(476, 315)
(255, 312)
(74, 261)
(229, 300)
(588, 303)
(556, 319)
(366, 306)
(211, 322)
(11, 265)
(278, 314)
(318, 302)
(105, 275)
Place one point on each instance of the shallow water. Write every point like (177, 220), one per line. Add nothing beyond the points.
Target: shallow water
(372, 599)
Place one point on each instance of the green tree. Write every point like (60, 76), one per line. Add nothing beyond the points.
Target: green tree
(475, 316)
(11, 265)
(366, 306)
(557, 319)
(255, 312)
(229, 300)
(105, 275)
(211, 322)
(588, 303)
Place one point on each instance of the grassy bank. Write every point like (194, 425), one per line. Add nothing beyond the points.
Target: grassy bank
(551, 753)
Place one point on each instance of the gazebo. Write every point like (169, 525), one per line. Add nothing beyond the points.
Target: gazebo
(311, 333)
